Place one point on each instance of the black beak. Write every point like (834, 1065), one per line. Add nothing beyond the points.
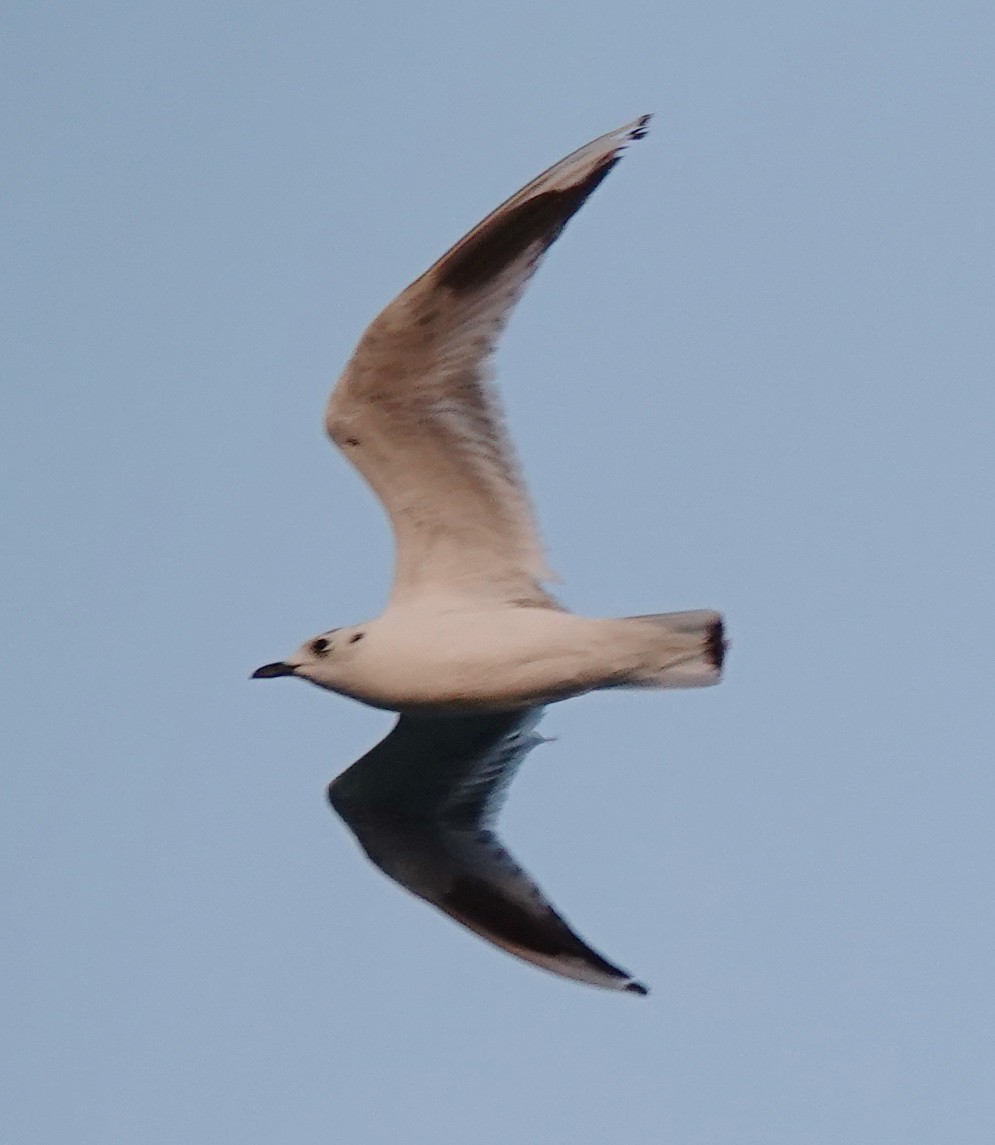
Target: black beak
(267, 671)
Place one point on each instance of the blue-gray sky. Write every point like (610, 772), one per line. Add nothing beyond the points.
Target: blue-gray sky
(755, 374)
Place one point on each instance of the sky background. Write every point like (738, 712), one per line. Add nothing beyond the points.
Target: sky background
(755, 374)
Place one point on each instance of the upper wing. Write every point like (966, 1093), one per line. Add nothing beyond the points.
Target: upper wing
(421, 804)
(416, 412)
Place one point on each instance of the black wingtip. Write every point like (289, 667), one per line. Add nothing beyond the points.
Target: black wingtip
(716, 645)
(536, 222)
(635, 987)
(642, 126)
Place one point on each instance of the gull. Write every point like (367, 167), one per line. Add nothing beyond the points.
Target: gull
(471, 645)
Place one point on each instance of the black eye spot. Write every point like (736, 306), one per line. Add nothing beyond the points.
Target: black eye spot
(356, 636)
(320, 646)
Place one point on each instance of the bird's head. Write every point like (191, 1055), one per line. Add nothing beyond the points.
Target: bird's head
(321, 659)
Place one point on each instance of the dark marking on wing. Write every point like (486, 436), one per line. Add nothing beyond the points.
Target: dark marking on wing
(537, 220)
(542, 931)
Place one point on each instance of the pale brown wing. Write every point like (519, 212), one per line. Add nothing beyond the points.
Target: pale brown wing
(422, 804)
(416, 412)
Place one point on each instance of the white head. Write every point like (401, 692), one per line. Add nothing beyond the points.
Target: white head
(324, 659)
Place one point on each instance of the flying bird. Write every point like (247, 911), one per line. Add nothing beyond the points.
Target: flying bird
(471, 645)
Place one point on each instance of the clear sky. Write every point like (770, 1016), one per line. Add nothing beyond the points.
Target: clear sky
(755, 374)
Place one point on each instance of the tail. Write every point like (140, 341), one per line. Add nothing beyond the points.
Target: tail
(680, 650)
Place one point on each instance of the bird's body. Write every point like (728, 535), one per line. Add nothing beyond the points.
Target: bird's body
(464, 657)
(472, 645)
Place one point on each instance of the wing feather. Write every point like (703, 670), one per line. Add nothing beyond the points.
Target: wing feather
(418, 415)
(421, 804)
